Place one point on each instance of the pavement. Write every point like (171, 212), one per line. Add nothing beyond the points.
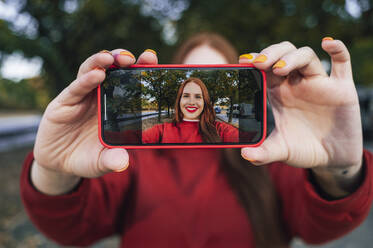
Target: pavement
(18, 131)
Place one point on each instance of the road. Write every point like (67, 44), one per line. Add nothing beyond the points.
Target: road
(224, 117)
(18, 131)
(146, 115)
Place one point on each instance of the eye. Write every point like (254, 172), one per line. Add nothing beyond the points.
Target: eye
(198, 96)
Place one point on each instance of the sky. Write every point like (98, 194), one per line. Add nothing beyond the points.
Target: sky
(17, 67)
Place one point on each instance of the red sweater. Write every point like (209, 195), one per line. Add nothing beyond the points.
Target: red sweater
(186, 132)
(181, 198)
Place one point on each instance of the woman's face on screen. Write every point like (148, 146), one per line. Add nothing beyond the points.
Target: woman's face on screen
(191, 101)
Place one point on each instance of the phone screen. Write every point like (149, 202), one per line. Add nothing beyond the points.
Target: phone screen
(182, 105)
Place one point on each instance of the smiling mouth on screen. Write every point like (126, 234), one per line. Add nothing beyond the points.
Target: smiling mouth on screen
(191, 109)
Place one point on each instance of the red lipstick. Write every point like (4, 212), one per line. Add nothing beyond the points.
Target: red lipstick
(191, 109)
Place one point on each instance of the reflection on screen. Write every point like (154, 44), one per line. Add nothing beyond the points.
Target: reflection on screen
(152, 106)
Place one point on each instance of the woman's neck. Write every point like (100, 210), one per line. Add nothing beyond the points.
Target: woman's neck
(191, 120)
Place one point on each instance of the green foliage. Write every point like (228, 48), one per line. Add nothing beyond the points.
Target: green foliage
(362, 61)
(162, 86)
(64, 39)
(26, 95)
(254, 25)
(217, 82)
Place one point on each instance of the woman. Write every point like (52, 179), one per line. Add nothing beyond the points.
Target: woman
(194, 120)
(182, 197)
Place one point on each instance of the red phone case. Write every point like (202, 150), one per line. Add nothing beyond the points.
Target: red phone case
(160, 146)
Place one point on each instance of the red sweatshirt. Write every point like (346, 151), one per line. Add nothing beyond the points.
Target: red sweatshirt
(181, 198)
(186, 132)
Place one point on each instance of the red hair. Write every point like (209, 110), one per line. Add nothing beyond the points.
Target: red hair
(207, 125)
(213, 40)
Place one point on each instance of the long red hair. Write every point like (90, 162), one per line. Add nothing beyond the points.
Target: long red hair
(207, 126)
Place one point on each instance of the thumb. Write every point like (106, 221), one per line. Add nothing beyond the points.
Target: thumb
(271, 150)
(113, 160)
(341, 63)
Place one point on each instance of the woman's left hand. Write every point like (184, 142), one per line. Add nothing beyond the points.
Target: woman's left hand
(317, 116)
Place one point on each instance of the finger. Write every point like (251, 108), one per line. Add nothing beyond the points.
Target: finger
(271, 150)
(303, 60)
(341, 63)
(115, 159)
(247, 58)
(270, 55)
(81, 87)
(148, 57)
(123, 58)
(102, 59)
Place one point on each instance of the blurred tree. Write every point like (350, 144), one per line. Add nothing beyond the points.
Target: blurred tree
(215, 82)
(254, 25)
(162, 86)
(64, 33)
(222, 86)
(173, 79)
(64, 38)
(24, 95)
(123, 96)
(154, 87)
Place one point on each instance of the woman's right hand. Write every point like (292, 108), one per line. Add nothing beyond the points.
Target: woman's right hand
(67, 146)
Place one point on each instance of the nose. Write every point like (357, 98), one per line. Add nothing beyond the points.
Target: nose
(192, 100)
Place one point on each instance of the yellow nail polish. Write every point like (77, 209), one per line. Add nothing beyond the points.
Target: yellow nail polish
(151, 50)
(123, 169)
(250, 160)
(246, 56)
(105, 51)
(279, 64)
(260, 59)
(327, 38)
(126, 53)
(99, 68)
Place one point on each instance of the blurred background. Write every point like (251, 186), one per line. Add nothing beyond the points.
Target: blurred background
(42, 44)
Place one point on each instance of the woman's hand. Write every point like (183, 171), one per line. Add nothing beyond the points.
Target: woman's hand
(317, 116)
(67, 144)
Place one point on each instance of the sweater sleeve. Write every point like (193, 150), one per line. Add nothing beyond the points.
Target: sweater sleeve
(152, 135)
(227, 132)
(314, 219)
(89, 213)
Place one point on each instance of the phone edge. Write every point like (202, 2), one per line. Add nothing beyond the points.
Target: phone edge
(264, 131)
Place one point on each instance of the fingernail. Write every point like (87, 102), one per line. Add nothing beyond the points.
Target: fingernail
(327, 38)
(248, 159)
(105, 51)
(246, 56)
(279, 64)
(260, 59)
(126, 53)
(123, 169)
(99, 68)
(151, 50)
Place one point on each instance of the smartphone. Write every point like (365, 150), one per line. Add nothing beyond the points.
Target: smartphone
(182, 106)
